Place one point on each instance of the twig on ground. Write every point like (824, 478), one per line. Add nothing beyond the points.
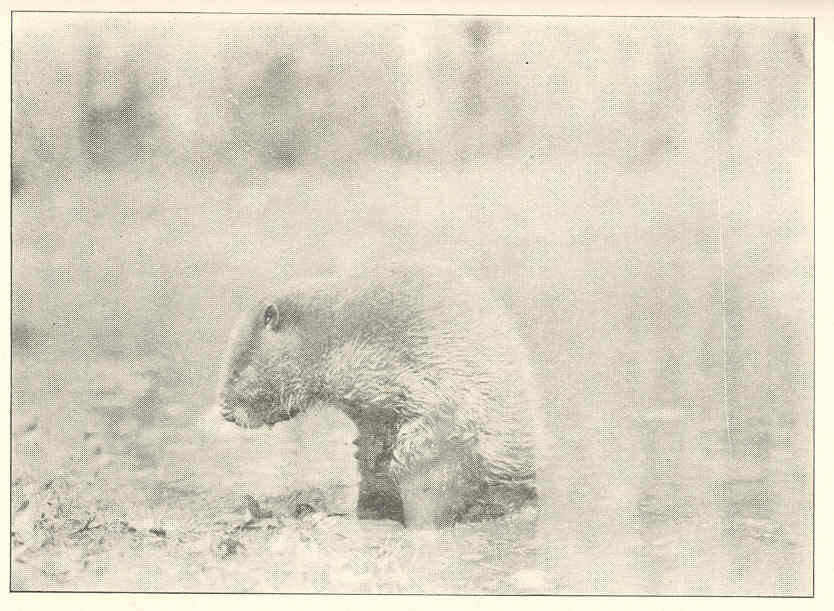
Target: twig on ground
(86, 527)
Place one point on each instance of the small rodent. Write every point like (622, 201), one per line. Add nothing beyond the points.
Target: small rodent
(426, 364)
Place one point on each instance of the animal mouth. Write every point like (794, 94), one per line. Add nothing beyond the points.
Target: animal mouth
(236, 413)
(229, 415)
(279, 414)
(240, 414)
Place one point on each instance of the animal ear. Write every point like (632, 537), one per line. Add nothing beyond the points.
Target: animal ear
(271, 318)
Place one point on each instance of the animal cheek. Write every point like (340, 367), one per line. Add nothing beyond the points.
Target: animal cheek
(246, 376)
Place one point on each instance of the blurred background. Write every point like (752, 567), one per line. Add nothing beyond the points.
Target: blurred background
(637, 192)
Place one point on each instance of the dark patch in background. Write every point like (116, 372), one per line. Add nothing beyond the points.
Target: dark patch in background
(166, 168)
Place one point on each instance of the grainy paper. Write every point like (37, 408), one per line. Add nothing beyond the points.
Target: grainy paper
(634, 195)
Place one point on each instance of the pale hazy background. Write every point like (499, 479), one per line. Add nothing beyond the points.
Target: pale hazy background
(594, 172)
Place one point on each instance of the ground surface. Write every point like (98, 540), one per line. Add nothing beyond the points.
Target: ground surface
(104, 502)
(104, 499)
(70, 539)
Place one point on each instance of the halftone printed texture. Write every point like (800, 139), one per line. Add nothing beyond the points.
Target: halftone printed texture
(701, 310)
(636, 192)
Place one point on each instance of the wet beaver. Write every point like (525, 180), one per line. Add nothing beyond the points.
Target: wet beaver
(427, 366)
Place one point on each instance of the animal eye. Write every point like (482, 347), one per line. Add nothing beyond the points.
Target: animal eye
(271, 317)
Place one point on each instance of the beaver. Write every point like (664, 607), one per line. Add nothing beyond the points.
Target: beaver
(427, 365)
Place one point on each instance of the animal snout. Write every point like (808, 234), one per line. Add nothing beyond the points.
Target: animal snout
(227, 410)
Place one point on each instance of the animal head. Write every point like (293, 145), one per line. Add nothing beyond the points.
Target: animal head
(264, 381)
